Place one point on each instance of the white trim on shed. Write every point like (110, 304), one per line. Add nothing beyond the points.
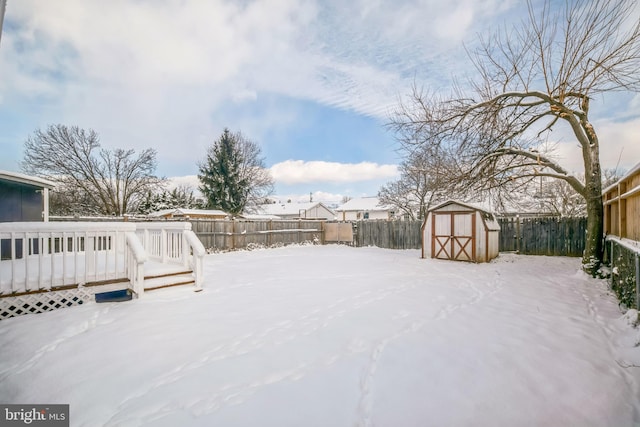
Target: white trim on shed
(460, 231)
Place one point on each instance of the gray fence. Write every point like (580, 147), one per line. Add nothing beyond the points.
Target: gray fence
(389, 234)
(543, 236)
(529, 236)
(625, 271)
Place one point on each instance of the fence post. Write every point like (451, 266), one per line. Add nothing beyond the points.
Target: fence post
(613, 259)
(517, 234)
(233, 234)
(637, 281)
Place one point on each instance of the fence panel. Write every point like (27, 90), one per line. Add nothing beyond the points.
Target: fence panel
(239, 234)
(389, 234)
(340, 232)
(543, 236)
(624, 257)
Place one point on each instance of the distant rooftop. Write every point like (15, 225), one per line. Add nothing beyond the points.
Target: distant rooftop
(363, 204)
(286, 208)
(26, 179)
(187, 212)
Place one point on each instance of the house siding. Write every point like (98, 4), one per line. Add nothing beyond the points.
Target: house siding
(20, 202)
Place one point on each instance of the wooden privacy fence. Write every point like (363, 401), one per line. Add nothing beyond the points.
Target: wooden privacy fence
(543, 236)
(622, 206)
(528, 236)
(241, 234)
(389, 234)
(622, 227)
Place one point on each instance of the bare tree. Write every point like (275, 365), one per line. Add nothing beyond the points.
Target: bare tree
(427, 176)
(102, 181)
(552, 197)
(3, 6)
(532, 79)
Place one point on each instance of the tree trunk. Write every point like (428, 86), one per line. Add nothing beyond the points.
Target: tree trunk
(593, 250)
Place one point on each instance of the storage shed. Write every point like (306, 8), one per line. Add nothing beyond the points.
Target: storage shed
(461, 232)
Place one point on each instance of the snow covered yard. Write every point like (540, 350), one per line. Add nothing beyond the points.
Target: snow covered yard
(339, 336)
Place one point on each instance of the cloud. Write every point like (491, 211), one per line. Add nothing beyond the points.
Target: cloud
(170, 74)
(300, 171)
(618, 140)
(316, 196)
(200, 55)
(297, 193)
(293, 172)
(619, 143)
(188, 181)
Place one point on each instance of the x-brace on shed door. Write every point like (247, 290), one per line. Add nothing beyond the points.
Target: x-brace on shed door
(453, 236)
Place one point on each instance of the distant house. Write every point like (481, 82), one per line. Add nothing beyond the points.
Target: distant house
(309, 210)
(189, 213)
(362, 208)
(23, 197)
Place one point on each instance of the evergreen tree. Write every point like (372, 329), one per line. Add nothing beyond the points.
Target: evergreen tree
(233, 175)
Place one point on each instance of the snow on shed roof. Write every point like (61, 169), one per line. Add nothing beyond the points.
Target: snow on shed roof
(26, 179)
(484, 207)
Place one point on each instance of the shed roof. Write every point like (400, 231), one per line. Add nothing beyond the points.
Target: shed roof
(475, 206)
(26, 179)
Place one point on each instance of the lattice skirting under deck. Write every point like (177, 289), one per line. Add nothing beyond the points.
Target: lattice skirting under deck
(46, 301)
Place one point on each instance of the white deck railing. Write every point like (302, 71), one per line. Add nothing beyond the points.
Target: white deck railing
(37, 256)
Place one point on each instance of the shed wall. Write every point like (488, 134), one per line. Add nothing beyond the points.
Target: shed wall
(486, 241)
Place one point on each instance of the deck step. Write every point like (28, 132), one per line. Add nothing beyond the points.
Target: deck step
(168, 274)
(152, 283)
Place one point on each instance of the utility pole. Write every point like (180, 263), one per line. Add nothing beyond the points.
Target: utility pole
(3, 6)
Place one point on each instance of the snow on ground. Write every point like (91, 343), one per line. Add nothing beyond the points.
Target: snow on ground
(339, 336)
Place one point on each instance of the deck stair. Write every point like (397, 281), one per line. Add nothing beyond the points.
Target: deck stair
(167, 280)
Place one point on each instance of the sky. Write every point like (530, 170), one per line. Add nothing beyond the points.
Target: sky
(313, 83)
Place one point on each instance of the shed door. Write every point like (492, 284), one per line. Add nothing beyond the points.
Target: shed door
(453, 236)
